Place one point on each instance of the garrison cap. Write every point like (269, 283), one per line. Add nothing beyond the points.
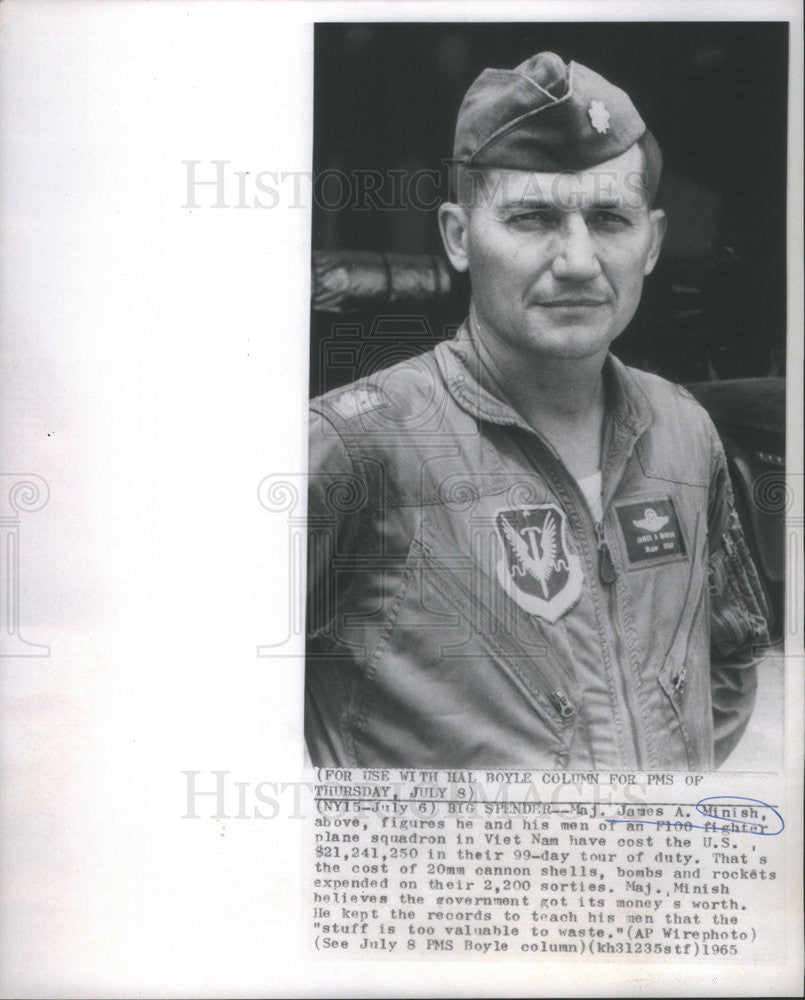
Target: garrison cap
(546, 116)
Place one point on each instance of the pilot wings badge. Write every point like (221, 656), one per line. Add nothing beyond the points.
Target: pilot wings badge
(536, 568)
(651, 521)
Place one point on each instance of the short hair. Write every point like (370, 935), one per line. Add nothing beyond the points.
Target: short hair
(652, 165)
(466, 181)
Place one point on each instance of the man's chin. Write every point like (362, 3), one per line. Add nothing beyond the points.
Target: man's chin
(569, 342)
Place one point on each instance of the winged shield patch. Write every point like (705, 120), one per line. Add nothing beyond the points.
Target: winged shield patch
(537, 568)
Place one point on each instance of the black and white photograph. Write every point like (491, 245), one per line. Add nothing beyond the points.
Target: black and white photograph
(548, 355)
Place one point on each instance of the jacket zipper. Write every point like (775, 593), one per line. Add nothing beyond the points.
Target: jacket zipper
(551, 466)
(606, 568)
(677, 684)
(563, 704)
(619, 656)
(608, 575)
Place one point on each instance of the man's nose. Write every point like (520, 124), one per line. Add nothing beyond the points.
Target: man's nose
(576, 258)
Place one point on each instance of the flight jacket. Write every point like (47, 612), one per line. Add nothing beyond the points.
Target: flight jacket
(465, 610)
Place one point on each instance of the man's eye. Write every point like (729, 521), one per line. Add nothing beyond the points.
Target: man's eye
(534, 218)
(611, 219)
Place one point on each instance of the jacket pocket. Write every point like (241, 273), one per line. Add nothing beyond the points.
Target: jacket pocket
(740, 612)
(456, 678)
(494, 626)
(679, 677)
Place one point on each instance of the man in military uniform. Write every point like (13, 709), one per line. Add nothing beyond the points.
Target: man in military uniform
(523, 553)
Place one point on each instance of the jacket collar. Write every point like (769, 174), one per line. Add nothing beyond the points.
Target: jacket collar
(468, 384)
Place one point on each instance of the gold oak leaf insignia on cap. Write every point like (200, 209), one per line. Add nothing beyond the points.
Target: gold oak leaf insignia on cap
(599, 116)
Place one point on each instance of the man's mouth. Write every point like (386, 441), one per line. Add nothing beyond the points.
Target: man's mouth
(575, 303)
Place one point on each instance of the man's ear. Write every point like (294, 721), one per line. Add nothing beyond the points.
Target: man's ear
(453, 220)
(658, 224)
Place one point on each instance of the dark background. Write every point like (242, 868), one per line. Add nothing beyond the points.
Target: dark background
(715, 96)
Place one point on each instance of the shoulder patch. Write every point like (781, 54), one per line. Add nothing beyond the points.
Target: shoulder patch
(356, 401)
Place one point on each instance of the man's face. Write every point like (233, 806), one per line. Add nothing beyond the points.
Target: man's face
(556, 261)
